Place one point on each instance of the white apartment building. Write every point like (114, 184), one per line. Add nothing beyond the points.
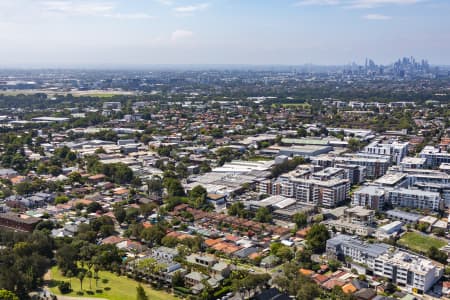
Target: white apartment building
(414, 198)
(375, 197)
(434, 156)
(342, 246)
(369, 196)
(415, 273)
(327, 193)
(373, 165)
(396, 150)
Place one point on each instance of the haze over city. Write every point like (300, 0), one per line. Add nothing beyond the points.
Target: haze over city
(59, 33)
(224, 149)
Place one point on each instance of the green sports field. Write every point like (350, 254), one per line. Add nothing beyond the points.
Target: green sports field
(420, 242)
(110, 286)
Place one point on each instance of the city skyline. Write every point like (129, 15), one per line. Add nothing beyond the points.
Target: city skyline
(97, 33)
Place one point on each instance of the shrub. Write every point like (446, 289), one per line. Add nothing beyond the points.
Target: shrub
(64, 287)
(222, 292)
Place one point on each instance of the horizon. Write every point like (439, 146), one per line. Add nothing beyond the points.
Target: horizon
(194, 67)
(63, 33)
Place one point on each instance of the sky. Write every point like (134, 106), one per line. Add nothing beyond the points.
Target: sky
(65, 33)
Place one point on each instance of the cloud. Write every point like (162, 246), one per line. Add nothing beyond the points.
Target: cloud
(91, 8)
(83, 8)
(129, 16)
(376, 17)
(181, 34)
(317, 2)
(165, 2)
(189, 9)
(378, 3)
(356, 3)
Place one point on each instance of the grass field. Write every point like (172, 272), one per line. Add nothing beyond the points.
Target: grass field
(420, 242)
(110, 286)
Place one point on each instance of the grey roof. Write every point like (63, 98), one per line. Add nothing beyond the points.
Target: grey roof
(197, 276)
(220, 266)
(412, 217)
(371, 190)
(171, 251)
(373, 250)
(6, 172)
(245, 252)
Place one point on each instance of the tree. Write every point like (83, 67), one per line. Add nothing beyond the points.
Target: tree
(439, 231)
(174, 187)
(93, 207)
(284, 253)
(438, 255)
(197, 196)
(120, 214)
(237, 209)
(317, 237)
(300, 219)
(308, 291)
(354, 144)
(69, 274)
(301, 132)
(66, 257)
(263, 215)
(153, 234)
(75, 177)
(141, 295)
(81, 274)
(423, 227)
(24, 188)
(334, 264)
(7, 295)
(155, 186)
(60, 199)
(89, 275)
